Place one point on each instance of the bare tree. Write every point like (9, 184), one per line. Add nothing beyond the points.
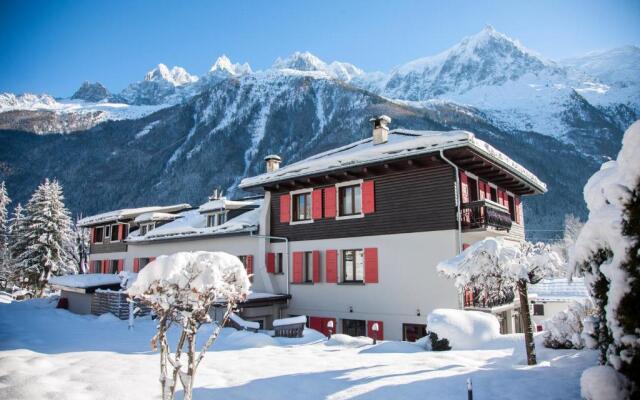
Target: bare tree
(181, 289)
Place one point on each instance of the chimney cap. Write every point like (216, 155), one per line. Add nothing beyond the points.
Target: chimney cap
(384, 118)
(273, 157)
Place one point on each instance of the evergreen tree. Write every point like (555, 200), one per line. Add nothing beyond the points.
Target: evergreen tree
(4, 214)
(46, 237)
(15, 245)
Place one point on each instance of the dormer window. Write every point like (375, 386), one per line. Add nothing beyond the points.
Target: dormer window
(216, 219)
(145, 228)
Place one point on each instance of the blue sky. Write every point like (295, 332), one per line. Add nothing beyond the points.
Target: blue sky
(52, 46)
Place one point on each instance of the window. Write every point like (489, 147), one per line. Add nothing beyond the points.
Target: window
(302, 206)
(107, 231)
(352, 266)
(307, 266)
(354, 327)
(144, 228)
(279, 263)
(113, 267)
(142, 262)
(97, 235)
(97, 267)
(538, 309)
(216, 219)
(115, 230)
(350, 200)
(494, 194)
(125, 234)
(413, 332)
(473, 189)
(512, 207)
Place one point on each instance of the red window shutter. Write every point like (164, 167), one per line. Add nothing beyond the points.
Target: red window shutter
(330, 202)
(249, 265)
(93, 235)
(297, 267)
(371, 333)
(285, 207)
(518, 210)
(368, 197)
(136, 265)
(464, 188)
(482, 188)
(331, 262)
(316, 266)
(271, 262)
(151, 259)
(502, 197)
(465, 246)
(316, 204)
(371, 265)
(120, 231)
(325, 329)
(105, 266)
(120, 265)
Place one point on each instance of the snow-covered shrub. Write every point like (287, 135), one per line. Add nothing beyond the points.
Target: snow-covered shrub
(607, 252)
(495, 267)
(438, 344)
(603, 383)
(464, 330)
(181, 289)
(564, 329)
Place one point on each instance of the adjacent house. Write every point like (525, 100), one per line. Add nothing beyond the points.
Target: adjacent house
(358, 230)
(550, 296)
(349, 237)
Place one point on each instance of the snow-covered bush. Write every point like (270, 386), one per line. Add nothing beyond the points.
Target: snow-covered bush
(465, 330)
(495, 267)
(564, 329)
(607, 252)
(181, 289)
(603, 383)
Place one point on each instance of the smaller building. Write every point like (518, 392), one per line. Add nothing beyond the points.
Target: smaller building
(550, 296)
(79, 290)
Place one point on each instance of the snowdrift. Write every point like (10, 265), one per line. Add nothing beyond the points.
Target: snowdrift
(466, 330)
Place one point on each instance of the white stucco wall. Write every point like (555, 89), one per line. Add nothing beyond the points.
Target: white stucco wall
(551, 308)
(408, 281)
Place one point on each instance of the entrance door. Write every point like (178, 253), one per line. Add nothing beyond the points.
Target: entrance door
(354, 327)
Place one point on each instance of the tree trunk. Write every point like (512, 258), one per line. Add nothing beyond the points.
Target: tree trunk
(525, 319)
(191, 368)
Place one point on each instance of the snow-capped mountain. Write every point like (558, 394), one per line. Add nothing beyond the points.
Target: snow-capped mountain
(92, 92)
(172, 137)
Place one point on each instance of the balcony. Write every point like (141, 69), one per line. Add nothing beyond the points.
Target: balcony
(483, 214)
(478, 299)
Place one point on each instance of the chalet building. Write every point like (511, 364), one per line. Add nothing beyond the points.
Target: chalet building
(356, 232)
(110, 231)
(349, 237)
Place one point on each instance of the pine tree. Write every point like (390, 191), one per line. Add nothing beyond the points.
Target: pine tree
(46, 237)
(16, 245)
(4, 214)
(79, 247)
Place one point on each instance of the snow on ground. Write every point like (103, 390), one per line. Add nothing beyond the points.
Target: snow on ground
(46, 353)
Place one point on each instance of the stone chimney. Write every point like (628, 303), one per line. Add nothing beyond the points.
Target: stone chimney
(380, 129)
(216, 195)
(273, 162)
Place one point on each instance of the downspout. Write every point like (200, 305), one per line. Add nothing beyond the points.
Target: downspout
(287, 251)
(457, 193)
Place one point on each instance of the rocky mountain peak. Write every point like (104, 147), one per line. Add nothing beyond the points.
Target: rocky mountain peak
(176, 76)
(91, 91)
(224, 65)
(300, 61)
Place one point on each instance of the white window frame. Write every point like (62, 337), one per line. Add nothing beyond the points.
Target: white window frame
(117, 240)
(104, 232)
(148, 225)
(348, 183)
(291, 195)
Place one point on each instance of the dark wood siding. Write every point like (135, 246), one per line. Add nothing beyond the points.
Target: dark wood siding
(107, 247)
(415, 200)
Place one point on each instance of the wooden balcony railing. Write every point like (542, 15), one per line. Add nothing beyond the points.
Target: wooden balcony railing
(478, 299)
(482, 214)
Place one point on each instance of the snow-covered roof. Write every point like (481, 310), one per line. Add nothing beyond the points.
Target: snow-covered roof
(154, 216)
(130, 213)
(83, 281)
(559, 289)
(226, 204)
(194, 224)
(401, 143)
